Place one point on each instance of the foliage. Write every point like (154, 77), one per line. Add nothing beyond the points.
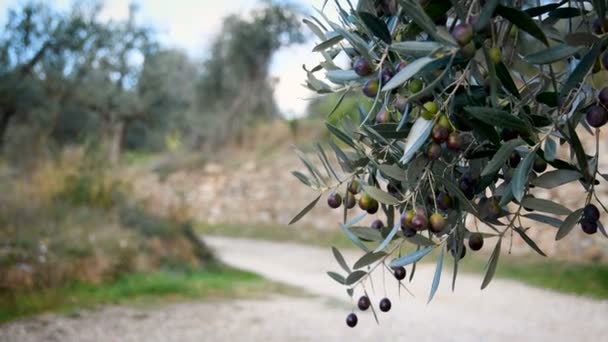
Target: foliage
(151, 287)
(465, 118)
(72, 77)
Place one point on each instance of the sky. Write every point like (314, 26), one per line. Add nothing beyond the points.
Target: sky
(192, 25)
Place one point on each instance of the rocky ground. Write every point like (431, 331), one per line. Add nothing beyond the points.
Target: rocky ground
(505, 311)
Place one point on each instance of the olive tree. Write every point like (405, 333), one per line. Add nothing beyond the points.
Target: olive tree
(475, 106)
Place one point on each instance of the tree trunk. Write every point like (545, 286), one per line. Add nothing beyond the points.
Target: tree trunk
(4, 122)
(116, 137)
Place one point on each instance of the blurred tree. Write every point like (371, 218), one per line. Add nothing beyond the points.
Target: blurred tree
(235, 88)
(166, 88)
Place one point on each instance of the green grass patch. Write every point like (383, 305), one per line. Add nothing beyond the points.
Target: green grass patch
(143, 288)
(585, 279)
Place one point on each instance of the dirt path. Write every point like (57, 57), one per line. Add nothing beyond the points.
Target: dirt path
(505, 311)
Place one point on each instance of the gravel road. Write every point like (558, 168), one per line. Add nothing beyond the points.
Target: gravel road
(503, 312)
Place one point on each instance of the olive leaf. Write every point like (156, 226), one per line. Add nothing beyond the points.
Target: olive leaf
(305, 210)
(501, 156)
(368, 259)
(491, 266)
(340, 259)
(436, 277)
(411, 258)
(337, 277)
(568, 224)
(520, 176)
(380, 196)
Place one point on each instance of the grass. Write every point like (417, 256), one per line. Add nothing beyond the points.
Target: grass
(585, 279)
(141, 288)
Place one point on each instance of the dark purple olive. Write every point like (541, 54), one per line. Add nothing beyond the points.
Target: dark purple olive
(377, 224)
(508, 134)
(591, 212)
(351, 320)
(440, 134)
(475, 241)
(408, 232)
(540, 165)
(600, 26)
(514, 159)
(364, 303)
(383, 116)
(385, 305)
(463, 251)
(444, 201)
(362, 66)
(463, 33)
(334, 200)
(399, 272)
(434, 151)
(386, 75)
(588, 226)
(454, 142)
(596, 116)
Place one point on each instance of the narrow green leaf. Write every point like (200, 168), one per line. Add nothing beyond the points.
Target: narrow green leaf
(523, 21)
(420, 133)
(389, 237)
(354, 277)
(552, 54)
(552, 221)
(411, 258)
(380, 196)
(550, 149)
(337, 277)
(529, 241)
(436, 277)
(415, 11)
(503, 74)
(377, 26)
(486, 14)
(555, 178)
(579, 151)
(315, 29)
(581, 70)
(420, 240)
(491, 267)
(545, 206)
(352, 237)
(501, 156)
(337, 105)
(305, 210)
(498, 118)
(339, 76)
(300, 176)
(407, 73)
(369, 259)
(340, 259)
(366, 233)
(568, 224)
(393, 171)
(341, 135)
(520, 176)
(415, 48)
(328, 43)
